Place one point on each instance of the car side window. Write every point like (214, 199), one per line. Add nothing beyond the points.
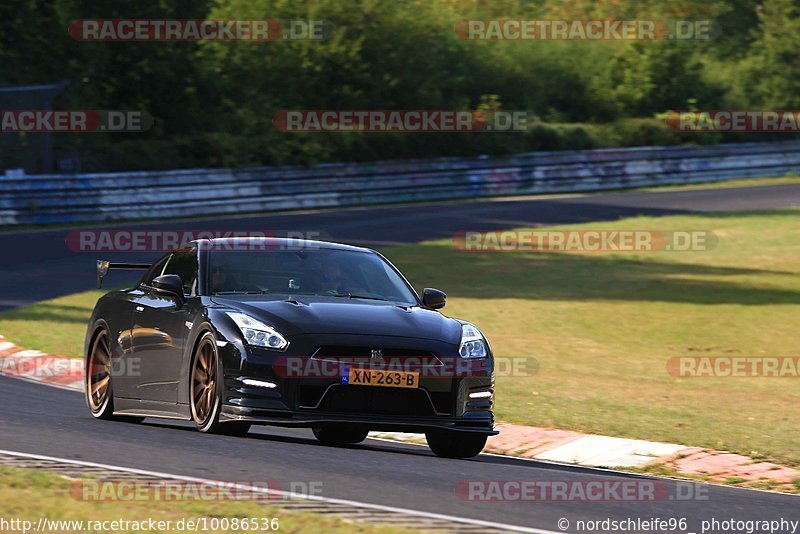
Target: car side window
(184, 264)
(155, 271)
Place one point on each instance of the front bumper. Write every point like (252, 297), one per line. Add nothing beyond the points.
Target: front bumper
(376, 422)
(317, 399)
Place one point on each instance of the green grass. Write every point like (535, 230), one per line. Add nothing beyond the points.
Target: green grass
(54, 326)
(743, 182)
(734, 480)
(601, 327)
(662, 470)
(29, 494)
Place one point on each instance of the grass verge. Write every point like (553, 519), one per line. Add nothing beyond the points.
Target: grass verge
(603, 326)
(742, 182)
(28, 494)
(55, 326)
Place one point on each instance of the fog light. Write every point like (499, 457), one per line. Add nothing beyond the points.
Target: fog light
(259, 383)
(481, 395)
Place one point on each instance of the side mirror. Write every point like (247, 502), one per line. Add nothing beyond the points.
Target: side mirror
(170, 284)
(433, 298)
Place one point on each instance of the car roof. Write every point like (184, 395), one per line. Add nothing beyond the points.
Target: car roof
(280, 242)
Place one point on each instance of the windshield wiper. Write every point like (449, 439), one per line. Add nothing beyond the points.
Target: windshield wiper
(352, 296)
(240, 293)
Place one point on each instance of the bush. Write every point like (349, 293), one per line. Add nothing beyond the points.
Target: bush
(223, 149)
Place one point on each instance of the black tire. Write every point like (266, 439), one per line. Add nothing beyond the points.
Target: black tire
(340, 435)
(451, 444)
(99, 377)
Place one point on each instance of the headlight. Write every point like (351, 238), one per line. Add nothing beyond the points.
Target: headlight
(257, 333)
(472, 343)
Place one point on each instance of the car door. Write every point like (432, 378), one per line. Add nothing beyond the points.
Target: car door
(160, 330)
(127, 372)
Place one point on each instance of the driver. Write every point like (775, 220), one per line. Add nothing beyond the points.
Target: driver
(336, 281)
(223, 280)
(220, 280)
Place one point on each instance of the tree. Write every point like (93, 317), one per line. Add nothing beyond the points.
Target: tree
(772, 71)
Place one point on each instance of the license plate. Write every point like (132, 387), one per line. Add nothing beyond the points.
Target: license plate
(377, 377)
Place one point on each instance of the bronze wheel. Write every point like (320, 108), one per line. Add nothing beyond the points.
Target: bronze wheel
(99, 381)
(204, 382)
(98, 376)
(205, 390)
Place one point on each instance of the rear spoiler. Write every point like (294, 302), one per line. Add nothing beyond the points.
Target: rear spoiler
(104, 266)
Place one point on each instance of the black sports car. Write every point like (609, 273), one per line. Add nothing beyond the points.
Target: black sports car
(240, 331)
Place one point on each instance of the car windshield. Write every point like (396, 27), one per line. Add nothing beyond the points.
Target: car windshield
(324, 272)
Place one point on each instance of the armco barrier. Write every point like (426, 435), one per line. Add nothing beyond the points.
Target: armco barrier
(41, 199)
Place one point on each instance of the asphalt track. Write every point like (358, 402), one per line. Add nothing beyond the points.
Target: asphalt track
(35, 265)
(40, 420)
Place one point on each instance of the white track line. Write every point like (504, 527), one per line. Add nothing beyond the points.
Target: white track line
(286, 494)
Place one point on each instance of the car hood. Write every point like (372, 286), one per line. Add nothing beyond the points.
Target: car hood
(328, 315)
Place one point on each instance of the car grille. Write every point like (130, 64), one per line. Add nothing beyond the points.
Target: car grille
(342, 354)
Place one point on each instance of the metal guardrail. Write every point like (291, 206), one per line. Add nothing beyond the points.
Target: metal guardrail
(42, 199)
